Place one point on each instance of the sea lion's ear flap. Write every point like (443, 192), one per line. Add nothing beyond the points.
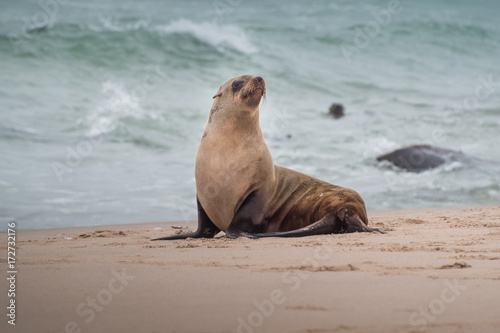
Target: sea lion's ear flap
(217, 95)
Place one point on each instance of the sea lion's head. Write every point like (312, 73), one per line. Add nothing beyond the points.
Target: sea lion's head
(242, 93)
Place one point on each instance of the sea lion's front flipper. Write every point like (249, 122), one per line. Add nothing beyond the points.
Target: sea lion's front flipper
(206, 228)
(248, 221)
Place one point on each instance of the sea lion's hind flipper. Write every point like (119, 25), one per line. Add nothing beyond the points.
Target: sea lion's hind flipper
(326, 225)
(349, 222)
(206, 228)
(352, 223)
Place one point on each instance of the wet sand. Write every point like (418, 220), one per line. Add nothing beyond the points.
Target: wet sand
(437, 270)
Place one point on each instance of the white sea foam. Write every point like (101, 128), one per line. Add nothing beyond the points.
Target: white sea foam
(221, 37)
(60, 201)
(373, 147)
(107, 23)
(117, 104)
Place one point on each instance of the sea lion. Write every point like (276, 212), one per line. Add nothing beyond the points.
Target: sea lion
(336, 110)
(242, 192)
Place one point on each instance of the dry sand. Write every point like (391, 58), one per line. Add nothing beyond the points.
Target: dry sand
(437, 270)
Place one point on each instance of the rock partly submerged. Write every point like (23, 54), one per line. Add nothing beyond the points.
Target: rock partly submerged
(419, 158)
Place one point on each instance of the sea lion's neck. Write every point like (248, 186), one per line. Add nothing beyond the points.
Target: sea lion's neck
(240, 123)
(246, 123)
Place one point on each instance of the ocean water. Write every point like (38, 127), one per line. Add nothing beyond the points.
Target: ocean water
(103, 103)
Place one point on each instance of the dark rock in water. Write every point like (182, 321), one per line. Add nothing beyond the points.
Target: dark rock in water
(336, 110)
(418, 158)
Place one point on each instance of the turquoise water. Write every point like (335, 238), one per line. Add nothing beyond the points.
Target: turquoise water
(103, 103)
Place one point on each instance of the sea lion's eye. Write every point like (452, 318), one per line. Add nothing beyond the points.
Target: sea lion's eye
(237, 85)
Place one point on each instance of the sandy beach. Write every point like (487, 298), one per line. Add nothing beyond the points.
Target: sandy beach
(436, 270)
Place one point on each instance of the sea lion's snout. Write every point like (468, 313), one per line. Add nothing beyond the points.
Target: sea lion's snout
(261, 84)
(250, 90)
(261, 81)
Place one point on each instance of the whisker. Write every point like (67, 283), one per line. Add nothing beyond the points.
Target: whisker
(263, 102)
